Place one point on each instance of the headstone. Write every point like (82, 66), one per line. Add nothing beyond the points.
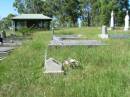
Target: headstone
(126, 28)
(104, 34)
(52, 66)
(112, 20)
(79, 23)
(52, 32)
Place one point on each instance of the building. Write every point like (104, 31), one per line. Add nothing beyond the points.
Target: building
(37, 21)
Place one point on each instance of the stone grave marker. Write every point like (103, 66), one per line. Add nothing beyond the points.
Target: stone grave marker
(52, 66)
(126, 28)
(112, 21)
(104, 34)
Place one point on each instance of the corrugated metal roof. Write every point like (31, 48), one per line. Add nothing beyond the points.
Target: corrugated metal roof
(32, 16)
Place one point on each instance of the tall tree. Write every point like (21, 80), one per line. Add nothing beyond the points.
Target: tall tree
(6, 22)
(101, 10)
(94, 12)
(28, 6)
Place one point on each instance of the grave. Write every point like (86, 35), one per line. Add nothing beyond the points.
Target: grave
(112, 21)
(6, 49)
(52, 66)
(9, 44)
(3, 54)
(119, 36)
(126, 28)
(76, 43)
(104, 34)
(79, 22)
(73, 40)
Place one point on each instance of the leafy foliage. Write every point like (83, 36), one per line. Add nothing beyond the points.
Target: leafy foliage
(6, 22)
(25, 31)
(94, 12)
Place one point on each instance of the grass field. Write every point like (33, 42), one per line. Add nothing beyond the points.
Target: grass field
(104, 72)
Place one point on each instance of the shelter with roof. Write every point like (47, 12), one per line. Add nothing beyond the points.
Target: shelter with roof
(37, 21)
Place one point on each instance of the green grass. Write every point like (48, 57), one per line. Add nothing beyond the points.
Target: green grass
(104, 70)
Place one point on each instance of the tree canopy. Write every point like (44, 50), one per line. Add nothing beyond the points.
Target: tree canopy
(92, 12)
(6, 22)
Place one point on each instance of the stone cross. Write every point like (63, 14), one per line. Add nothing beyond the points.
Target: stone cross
(126, 28)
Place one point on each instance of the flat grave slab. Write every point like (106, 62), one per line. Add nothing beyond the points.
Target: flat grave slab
(76, 43)
(51, 66)
(119, 36)
(9, 44)
(2, 54)
(6, 49)
(2, 58)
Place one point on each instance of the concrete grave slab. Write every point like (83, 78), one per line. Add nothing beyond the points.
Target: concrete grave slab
(6, 49)
(52, 66)
(76, 43)
(119, 36)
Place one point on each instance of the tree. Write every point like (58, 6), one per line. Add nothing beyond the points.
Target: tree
(28, 6)
(101, 10)
(6, 22)
(65, 10)
(94, 12)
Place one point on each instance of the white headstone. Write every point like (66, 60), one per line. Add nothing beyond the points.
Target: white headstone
(104, 34)
(126, 28)
(79, 23)
(112, 20)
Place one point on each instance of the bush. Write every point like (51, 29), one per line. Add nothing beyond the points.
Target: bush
(25, 31)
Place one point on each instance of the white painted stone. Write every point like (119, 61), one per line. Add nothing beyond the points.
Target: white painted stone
(104, 34)
(79, 23)
(112, 20)
(126, 28)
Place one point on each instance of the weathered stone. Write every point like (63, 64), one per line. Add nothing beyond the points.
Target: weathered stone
(52, 66)
(126, 28)
(104, 34)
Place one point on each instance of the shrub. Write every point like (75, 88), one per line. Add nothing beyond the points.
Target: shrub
(25, 31)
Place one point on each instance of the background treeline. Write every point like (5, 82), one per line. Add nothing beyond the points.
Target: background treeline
(66, 12)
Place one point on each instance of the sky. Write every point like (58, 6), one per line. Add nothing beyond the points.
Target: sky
(6, 7)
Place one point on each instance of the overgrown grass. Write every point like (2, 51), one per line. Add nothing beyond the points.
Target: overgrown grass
(104, 70)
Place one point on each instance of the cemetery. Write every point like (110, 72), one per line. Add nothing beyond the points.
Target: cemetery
(104, 62)
(54, 49)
